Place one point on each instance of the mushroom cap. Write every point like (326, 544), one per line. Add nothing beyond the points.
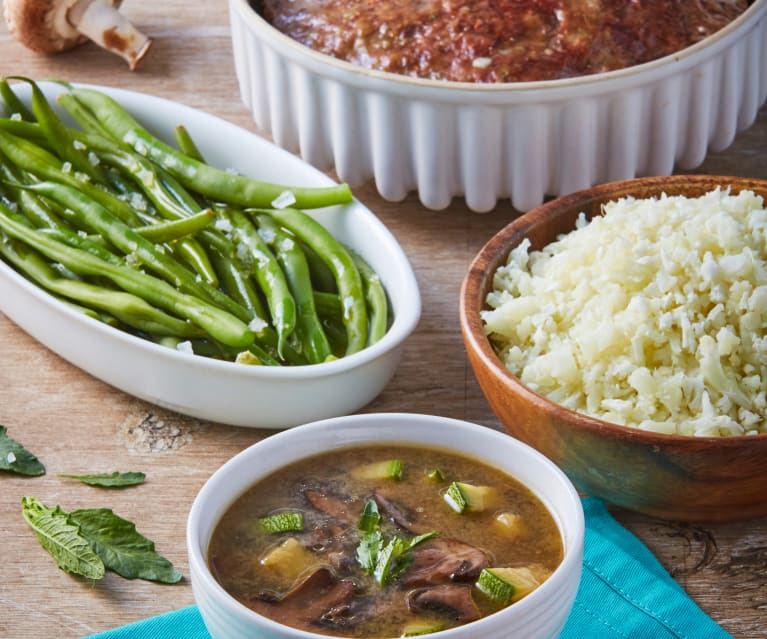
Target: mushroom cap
(42, 25)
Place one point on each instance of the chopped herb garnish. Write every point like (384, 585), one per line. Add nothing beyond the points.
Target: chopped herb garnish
(110, 480)
(371, 518)
(377, 557)
(15, 458)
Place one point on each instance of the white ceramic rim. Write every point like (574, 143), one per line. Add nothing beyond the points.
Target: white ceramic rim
(505, 92)
(404, 322)
(241, 465)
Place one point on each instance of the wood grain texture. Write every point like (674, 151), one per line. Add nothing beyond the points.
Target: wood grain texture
(78, 424)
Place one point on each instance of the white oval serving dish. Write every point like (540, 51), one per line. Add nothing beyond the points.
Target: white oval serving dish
(486, 142)
(236, 394)
(540, 615)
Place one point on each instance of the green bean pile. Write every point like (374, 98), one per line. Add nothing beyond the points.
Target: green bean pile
(147, 237)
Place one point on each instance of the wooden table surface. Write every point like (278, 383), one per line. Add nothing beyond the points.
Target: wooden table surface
(77, 424)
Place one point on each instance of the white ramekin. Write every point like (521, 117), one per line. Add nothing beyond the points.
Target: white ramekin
(540, 615)
(520, 141)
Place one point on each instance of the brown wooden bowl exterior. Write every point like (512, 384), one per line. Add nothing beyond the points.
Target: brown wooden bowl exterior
(668, 476)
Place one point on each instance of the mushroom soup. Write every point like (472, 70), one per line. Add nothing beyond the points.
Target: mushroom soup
(384, 541)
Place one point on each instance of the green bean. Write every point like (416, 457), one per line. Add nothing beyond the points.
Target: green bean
(217, 184)
(345, 272)
(254, 355)
(192, 252)
(322, 277)
(104, 318)
(328, 305)
(174, 203)
(331, 310)
(129, 309)
(12, 101)
(82, 243)
(242, 288)
(212, 239)
(255, 255)
(375, 295)
(33, 207)
(221, 325)
(26, 130)
(291, 258)
(145, 175)
(81, 115)
(239, 282)
(239, 286)
(336, 335)
(91, 216)
(186, 144)
(175, 229)
(179, 192)
(59, 135)
(141, 171)
(35, 160)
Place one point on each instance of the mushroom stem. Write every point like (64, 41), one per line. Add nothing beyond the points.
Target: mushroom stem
(107, 27)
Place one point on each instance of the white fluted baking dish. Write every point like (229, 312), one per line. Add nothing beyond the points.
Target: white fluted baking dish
(489, 142)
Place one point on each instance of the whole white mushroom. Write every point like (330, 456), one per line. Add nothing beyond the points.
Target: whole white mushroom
(52, 26)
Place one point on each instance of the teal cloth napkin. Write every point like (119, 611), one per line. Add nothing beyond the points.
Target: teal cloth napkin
(624, 593)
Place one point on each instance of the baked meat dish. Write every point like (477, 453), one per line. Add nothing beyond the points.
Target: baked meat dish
(498, 40)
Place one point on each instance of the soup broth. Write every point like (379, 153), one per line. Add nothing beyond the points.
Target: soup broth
(384, 541)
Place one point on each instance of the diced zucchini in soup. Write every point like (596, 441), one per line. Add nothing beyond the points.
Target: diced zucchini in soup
(388, 469)
(288, 560)
(421, 627)
(507, 585)
(436, 475)
(462, 497)
(282, 522)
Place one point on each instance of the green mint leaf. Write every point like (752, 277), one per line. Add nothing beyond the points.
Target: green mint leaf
(386, 559)
(395, 557)
(122, 548)
(368, 550)
(404, 557)
(17, 459)
(371, 518)
(110, 480)
(418, 539)
(62, 539)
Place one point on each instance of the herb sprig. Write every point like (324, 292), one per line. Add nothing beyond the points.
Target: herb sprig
(89, 542)
(110, 480)
(384, 560)
(15, 458)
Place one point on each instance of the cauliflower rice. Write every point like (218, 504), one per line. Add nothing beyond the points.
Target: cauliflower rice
(652, 316)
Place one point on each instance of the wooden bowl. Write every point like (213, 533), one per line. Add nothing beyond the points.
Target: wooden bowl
(668, 476)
